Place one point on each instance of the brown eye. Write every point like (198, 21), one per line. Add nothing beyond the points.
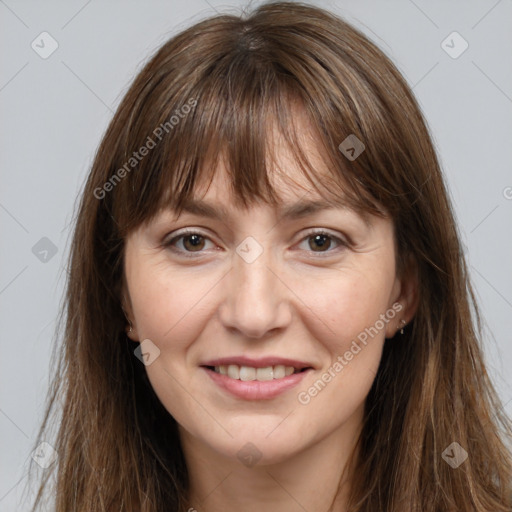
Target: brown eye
(319, 242)
(193, 242)
(323, 243)
(188, 243)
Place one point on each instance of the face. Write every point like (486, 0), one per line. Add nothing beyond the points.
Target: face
(257, 294)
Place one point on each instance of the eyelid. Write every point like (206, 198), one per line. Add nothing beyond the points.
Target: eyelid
(168, 243)
(343, 241)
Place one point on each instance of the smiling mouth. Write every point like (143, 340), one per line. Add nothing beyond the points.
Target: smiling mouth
(249, 373)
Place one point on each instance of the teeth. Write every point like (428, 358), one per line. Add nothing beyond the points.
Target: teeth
(234, 371)
(248, 373)
(265, 373)
(280, 371)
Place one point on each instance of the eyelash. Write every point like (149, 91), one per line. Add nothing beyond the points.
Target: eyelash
(189, 254)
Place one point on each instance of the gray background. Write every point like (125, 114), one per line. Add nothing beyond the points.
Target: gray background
(54, 111)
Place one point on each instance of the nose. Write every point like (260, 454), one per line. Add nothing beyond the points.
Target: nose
(257, 301)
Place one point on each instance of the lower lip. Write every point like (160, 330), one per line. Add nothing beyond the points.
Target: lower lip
(255, 389)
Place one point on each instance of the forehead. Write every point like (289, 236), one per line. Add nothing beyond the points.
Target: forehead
(216, 201)
(287, 181)
(282, 167)
(287, 168)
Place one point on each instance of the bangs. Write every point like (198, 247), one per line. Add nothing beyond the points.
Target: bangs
(246, 130)
(241, 103)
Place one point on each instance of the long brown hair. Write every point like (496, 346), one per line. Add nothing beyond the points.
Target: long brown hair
(211, 91)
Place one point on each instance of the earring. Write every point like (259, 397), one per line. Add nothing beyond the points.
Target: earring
(403, 323)
(130, 330)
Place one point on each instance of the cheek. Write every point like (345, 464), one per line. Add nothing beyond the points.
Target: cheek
(169, 307)
(172, 311)
(341, 308)
(353, 345)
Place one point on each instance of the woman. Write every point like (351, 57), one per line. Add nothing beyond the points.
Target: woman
(268, 306)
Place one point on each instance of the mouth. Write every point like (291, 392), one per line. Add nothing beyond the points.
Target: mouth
(256, 379)
(261, 374)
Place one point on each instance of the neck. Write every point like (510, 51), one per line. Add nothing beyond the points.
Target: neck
(316, 478)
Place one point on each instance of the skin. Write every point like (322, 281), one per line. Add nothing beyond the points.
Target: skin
(292, 301)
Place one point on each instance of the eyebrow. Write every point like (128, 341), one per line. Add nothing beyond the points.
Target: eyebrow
(296, 210)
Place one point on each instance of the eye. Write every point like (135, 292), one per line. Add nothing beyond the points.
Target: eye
(320, 241)
(192, 242)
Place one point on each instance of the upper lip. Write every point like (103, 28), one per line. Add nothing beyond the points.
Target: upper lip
(262, 362)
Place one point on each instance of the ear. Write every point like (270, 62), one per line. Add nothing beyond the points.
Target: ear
(127, 308)
(405, 298)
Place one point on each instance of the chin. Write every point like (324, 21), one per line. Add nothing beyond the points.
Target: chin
(259, 443)
(260, 451)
